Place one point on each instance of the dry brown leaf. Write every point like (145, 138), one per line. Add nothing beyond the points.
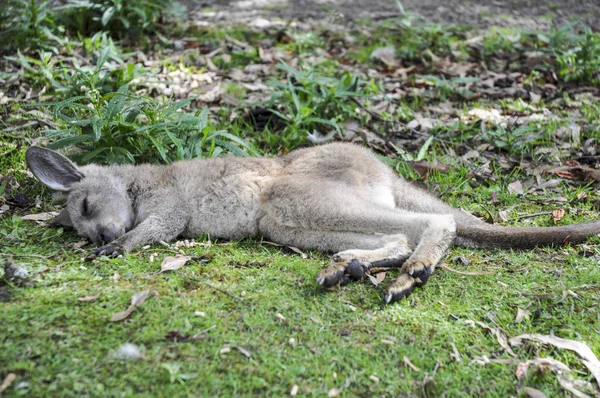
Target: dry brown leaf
(487, 115)
(425, 168)
(377, 278)
(40, 216)
(296, 250)
(520, 315)
(498, 332)
(503, 214)
(408, 363)
(570, 385)
(446, 266)
(294, 390)
(8, 380)
(136, 301)
(558, 368)
(587, 356)
(212, 95)
(245, 352)
(533, 393)
(515, 187)
(576, 172)
(557, 215)
(88, 298)
(174, 263)
(387, 55)
(119, 316)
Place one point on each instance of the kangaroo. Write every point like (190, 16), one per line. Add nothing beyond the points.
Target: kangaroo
(338, 198)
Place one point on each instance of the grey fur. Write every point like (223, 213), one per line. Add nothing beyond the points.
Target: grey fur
(336, 198)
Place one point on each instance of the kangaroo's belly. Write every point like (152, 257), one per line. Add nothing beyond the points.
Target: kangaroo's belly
(228, 209)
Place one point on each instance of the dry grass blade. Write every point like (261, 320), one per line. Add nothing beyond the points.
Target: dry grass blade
(455, 354)
(410, 364)
(88, 298)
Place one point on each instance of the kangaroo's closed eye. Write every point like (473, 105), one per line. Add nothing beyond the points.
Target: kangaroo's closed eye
(85, 209)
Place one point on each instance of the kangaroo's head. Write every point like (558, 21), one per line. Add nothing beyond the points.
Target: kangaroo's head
(98, 206)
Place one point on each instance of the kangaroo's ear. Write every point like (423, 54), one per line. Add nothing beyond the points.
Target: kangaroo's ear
(63, 219)
(53, 169)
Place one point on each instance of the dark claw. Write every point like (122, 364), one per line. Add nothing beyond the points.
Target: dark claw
(393, 296)
(400, 288)
(107, 250)
(331, 279)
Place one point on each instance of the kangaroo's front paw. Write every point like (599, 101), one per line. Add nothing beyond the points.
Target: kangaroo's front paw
(110, 250)
(340, 273)
(400, 288)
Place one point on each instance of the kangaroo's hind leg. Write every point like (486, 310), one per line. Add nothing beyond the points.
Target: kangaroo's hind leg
(317, 205)
(357, 254)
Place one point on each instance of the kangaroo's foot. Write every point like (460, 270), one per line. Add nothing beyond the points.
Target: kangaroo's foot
(412, 275)
(353, 265)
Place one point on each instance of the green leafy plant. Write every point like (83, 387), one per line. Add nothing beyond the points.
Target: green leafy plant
(444, 88)
(415, 39)
(65, 76)
(579, 61)
(306, 103)
(120, 127)
(122, 18)
(40, 70)
(514, 139)
(573, 50)
(175, 374)
(27, 24)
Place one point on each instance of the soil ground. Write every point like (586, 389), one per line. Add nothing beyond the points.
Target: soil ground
(532, 14)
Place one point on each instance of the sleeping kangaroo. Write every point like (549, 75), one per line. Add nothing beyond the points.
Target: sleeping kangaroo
(335, 198)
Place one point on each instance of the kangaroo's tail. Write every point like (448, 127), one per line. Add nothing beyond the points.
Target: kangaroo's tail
(488, 236)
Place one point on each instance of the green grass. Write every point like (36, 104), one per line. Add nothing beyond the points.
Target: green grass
(57, 345)
(263, 303)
